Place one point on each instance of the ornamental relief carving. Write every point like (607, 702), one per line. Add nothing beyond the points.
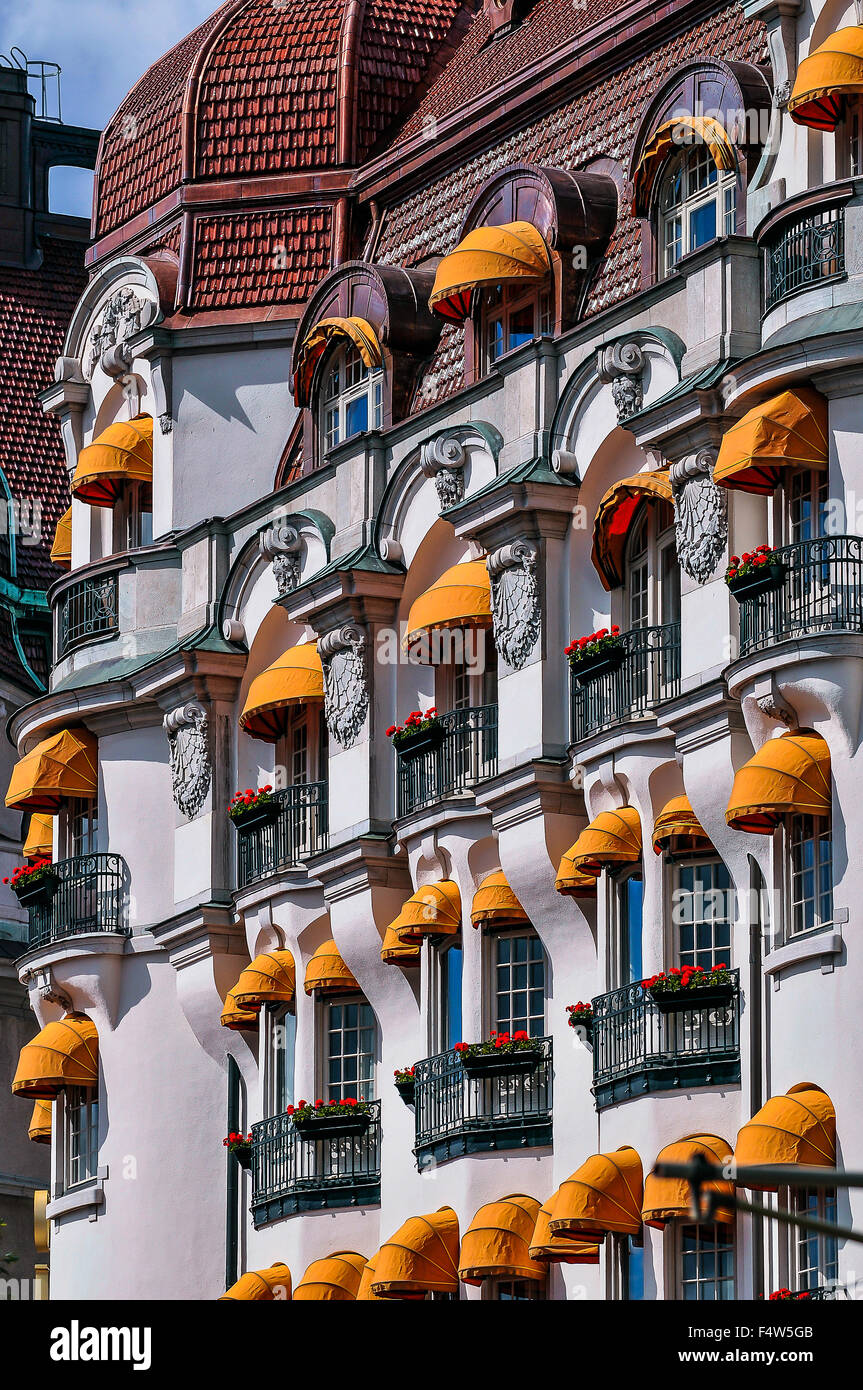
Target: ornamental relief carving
(282, 546)
(443, 459)
(700, 515)
(346, 686)
(622, 366)
(515, 600)
(124, 315)
(187, 730)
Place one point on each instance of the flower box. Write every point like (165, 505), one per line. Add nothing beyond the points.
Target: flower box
(677, 1000)
(501, 1063)
(264, 814)
(36, 890)
(590, 668)
(243, 1156)
(332, 1126)
(407, 1090)
(763, 580)
(422, 742)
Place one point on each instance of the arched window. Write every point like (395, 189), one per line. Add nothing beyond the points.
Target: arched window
(513, 315)
(652, 569)
(697, 202)
(351, 398)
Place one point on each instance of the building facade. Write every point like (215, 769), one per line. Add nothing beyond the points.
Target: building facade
(412, 352)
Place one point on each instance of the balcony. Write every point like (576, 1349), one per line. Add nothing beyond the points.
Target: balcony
(300, 828)
(806, 251)
(90, 897)
(87, 611)
(648, 674)
(637, 1049)
(466, 755)
(291, 1173)
(460, 1114)
(821, 591)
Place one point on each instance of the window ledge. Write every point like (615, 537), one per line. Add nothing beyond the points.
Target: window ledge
(823, 944)
(79, 1199)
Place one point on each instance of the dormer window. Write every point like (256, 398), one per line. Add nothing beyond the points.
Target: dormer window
(697, 203)
(512, 318)
(352, 397)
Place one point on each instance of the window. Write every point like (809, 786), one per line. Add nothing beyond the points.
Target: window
(807, 503)
(447, 1023)
(706, 1262)
(352, 398)
(637, 573)
(814, 1257)
(652, 595)
(626, 1269)
(299, 753)
(703, 910)
(810, 871)
(133, 517)
(697, 203)
(350, 1026)
(513, 1290)
(82, 827)
(849, 134)
(81, 1136)
(280, 1032)
(512, 318)
(519, 985)
(626, 965)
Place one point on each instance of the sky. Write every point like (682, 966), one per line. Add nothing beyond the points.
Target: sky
(103, 47)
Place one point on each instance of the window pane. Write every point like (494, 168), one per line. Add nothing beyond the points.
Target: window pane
(702, 225)
(356, 416)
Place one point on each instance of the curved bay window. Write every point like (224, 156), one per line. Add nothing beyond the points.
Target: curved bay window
(517, 983)
(703, 913)
(350, 1042)
(809, 874)
(512, 316)
(697, 203)
(351, 397)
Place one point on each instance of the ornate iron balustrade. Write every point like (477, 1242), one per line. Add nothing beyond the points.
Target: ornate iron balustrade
(466, 755)
(291, 1173)
(459, 1114)
(808, 250)
(87, 610)
(90, 897)
(299, 829)
(637, 1049)
(648, 674)
(821, 591)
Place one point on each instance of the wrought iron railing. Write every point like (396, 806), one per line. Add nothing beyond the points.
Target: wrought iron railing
(299, 829)
(292, 1172)
(457, 1113)
(807, 251)
(648, 674)
(90, 897)
(821, 591)
(87, 610)
(637, 1049)
(466, 754)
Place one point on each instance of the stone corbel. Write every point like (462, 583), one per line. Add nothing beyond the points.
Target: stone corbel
(187, 731)
(443, 459)
(346, 685)
(566, 464)
(700, 515)
(282, 546)
(622, 366)
(515, 598)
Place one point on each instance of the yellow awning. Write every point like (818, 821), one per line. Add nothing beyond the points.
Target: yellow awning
(573, 882)
(496, 1243)
(61, 550)
(831, 73)
(668, 1198)
(123, 453)
(364, 1293)
(786, 431)
(40, 837)
(64, 1054)
(669, 139)
(460, 598)
(614, 517)
(316, 342)
(335, 1279)
(240, 1020)
(494, 901)
(421, 1258)
(559, 1250)
(261, 1286)
(41, 1122)
(488, 256)
(395, 952)
(270, 979)
(327, 971)
(296, 678)
(60, 767)
(789, 775)
(434, 910)
(677, 830)
(799, 1127)
(613, 837)
(604, 1195)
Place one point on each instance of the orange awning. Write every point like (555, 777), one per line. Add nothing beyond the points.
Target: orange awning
(395, 952)
(799, 1128)
(496, 1243)
(604, 1195)
(494, 901)
(61, 550)
(41, 1122)
(261, 1286)
(240, 1020)
(335, 1279)
(613, 837)
(677, 830)
(40, 837)
(327, 971)
(64, 1054)
(788, 775)
(296, 678)
(573, 882)
(668, 1198)
(460, 598)
(669, 139)
(59, 768)
(614, 517)
(786, 431)
(123, 453)
(559, 1250)
(421, 1258)
(488, 256)
(318, 340)
(434, 910)
(270, 979)
(832, 72)
(364, 1293)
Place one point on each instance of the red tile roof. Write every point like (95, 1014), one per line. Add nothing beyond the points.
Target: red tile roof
(256, 259)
